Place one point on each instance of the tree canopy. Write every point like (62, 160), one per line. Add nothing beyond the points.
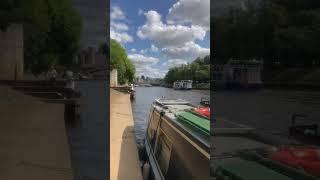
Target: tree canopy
(119, 60)
(285, 31)
(198, 71)
(51, 31)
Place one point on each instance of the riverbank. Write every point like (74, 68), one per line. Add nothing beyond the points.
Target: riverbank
(124, 160)
(33, 139)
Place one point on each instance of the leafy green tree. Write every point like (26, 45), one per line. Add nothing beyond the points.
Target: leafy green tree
(274, 30)
(51, 31)
(119, 60)
(198, 71)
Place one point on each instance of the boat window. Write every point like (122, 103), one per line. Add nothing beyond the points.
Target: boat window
(153, 124)
(163, 151)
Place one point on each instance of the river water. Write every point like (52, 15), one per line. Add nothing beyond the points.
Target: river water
(268, 110)
(89, 134)
(146, 95)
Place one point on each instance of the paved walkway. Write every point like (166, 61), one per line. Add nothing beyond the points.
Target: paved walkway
(124, 161)
(33, 142)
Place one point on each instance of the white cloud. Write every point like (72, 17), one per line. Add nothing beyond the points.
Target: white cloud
(144, 66)
(174, 63)
(121, 37)
(168, 35)
(119, 26)
(188, 51)
(142, 60)
(143, 51)
(174, 37)
(154, 48)
(150, 72)
(118, 29)
(196, 12)
(117, 13)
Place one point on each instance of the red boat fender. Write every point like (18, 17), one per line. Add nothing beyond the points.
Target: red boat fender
(205, 111)
(285, 157)
(307, 158)
(311, 167)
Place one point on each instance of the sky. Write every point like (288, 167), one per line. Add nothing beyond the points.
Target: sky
(160, 34)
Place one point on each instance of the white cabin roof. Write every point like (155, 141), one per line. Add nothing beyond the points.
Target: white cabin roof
(167, 101)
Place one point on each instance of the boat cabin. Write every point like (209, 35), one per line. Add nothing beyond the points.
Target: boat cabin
(182, 85)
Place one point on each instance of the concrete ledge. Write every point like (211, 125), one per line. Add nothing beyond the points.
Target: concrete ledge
(124, 160)
(33, 142)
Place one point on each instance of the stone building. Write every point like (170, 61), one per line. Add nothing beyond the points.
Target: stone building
(91, 57)
(11, 53)
(114, 78)
(238, 72)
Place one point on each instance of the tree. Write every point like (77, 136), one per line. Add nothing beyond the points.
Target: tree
(282, 30)
(119, 60)
(51, 31)
(198, 70)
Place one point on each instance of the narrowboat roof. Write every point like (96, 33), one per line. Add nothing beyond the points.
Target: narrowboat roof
(177, 111)
(239, 153)
(242, 169)
(166, 101)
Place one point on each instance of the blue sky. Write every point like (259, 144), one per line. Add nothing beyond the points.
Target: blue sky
(161, 34)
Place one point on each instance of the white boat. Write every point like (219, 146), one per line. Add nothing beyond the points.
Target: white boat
(182, 85)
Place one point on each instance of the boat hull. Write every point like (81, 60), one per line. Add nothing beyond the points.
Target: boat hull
(185, 151)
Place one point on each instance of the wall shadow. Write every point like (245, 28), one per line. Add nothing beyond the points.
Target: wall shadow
(129, 167)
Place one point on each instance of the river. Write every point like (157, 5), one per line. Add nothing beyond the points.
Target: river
(146, 95)
(89, 134)
(268, 110)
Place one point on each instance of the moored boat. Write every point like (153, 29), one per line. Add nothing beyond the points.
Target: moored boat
(245, 153)
(177, 141)
(182, 85)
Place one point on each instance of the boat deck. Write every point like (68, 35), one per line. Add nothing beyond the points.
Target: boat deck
(229, 143)
(172, 110)
(224, 146)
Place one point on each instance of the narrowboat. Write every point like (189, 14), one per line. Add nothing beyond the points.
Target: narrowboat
(177, 141)
(244, 153)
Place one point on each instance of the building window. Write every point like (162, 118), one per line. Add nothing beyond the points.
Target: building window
(163, 151)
